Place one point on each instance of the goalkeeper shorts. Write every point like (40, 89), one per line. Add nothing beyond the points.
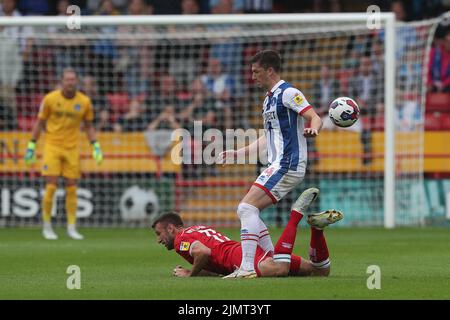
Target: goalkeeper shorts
(59, 161)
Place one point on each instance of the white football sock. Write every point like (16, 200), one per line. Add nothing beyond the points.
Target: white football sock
(250, 226)
(265, 241)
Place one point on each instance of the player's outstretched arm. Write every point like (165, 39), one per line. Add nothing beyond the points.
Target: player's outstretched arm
(179, 271)
(316, 123)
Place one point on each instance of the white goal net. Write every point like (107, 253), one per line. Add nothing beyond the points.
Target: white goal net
(145, 80)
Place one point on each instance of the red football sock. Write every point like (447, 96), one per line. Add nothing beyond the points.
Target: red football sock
(295, 265)
(318, 252)
(285, 244)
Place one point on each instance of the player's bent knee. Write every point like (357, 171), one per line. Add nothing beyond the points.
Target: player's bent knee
(283, 270)
(246, 210)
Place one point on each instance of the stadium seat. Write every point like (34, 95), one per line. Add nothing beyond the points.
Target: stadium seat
(445, 121)
(438, 102)
(433, 121)
(25, 123)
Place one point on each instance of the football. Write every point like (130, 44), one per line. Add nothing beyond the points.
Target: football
(344, 112)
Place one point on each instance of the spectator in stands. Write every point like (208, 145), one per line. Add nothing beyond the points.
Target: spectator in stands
(350, 67)
(326, 89)
(135, 57)
(102, 114)
(133, 65)
(159, 127)
(55, 10)
(181, 57)
(222, 87)
(398, 8)
(258, 6)
(165, 120)
(228, 51)
(136, 119)
(439, 66)
(107, 8)
(365, 87)
(366, 90)
(103, 54)
(226, 6)
(190, 7)
(377, 56)
(61, 7)
(139, 7)
(94, 5)
(200, 106)
(8, 8)
(166, 95)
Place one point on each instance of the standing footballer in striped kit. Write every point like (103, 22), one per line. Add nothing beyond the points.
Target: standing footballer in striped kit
(285, 109)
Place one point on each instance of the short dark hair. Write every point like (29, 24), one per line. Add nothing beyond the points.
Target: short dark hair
(68, 70)
(267, 59)
(169, 217)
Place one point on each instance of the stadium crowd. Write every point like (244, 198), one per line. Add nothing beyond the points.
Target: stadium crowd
(165, 84)
(415, 10)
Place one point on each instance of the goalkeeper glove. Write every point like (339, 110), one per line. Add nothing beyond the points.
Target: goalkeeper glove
(97, 152)
(30, 154)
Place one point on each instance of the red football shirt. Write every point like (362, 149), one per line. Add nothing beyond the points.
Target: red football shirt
(226, 254)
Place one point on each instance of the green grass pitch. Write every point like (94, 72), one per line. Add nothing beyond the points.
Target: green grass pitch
(129, 264)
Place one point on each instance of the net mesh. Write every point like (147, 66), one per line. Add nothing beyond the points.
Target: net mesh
(146, 81)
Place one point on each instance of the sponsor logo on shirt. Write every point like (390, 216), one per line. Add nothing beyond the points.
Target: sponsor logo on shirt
(77, 107)
(184, 246)
(298, 99)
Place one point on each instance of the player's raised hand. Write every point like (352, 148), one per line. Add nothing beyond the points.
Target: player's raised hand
(97, 153)
(225, 155)
(30, 153)
(310, 132)
(179, 271)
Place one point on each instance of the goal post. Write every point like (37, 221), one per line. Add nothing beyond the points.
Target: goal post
(372, 171)
(389, 133)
